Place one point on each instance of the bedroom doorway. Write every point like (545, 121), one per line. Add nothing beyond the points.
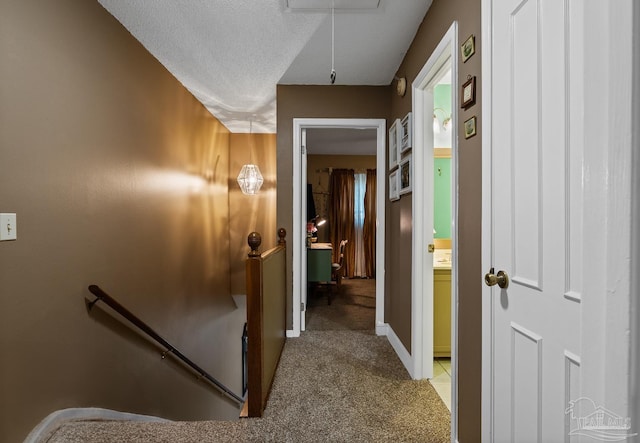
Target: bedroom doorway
(301, 126)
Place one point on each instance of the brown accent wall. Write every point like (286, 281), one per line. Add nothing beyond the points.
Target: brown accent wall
(248, 213)
(119, 177)
(437, 21)
(315, 102)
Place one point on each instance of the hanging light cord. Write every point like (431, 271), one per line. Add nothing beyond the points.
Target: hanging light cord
(333, 32)
(250, 142)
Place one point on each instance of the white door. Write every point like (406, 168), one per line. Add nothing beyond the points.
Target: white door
(536, 218)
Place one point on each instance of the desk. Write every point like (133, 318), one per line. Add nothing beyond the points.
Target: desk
(319, 262)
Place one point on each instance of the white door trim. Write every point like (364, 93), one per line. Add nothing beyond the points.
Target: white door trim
(635, 224)
(607, 235)
(422, 285)
(299, 222)
(486, 403)
(422, 156)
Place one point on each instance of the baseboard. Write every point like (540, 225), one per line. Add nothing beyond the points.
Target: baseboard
(292, 334)
(53, 421)
(382, 329)
(401, 351)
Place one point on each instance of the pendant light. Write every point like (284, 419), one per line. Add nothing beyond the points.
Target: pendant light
(250, 179)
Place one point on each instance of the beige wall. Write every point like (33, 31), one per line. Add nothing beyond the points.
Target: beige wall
(318, 175)
(316, 102)
(248, 213)
(437, 21)
(119, 178)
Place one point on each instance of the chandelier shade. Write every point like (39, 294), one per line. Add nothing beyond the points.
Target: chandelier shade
(250, 179)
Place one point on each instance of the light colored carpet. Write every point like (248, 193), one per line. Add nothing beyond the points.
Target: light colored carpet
(331, 386)
(353, 307)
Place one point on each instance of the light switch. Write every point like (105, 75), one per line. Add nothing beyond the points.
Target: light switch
(8, 227)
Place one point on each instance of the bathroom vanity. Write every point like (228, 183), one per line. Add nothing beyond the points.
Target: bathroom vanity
(442, 303)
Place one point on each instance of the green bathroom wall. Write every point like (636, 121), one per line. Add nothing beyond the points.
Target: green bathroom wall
(442, 169)
(442, 99)
(442, 109)
(442, 197)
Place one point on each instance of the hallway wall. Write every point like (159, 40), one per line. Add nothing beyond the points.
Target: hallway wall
(119, 177)
(248, 213)
(437, 21)
(299, 101)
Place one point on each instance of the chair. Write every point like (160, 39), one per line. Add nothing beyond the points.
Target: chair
(337, 269)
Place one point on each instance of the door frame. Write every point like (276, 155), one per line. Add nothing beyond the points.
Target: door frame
(635, 223)
(299, 211)
(445, 54)
(486, 399)
(608, 257)
(422, 285)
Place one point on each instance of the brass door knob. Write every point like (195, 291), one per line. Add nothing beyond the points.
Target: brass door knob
(501, 279)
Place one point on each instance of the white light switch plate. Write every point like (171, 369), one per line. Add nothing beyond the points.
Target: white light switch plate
(8, 227)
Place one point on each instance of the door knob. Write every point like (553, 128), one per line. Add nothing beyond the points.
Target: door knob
(501, 279)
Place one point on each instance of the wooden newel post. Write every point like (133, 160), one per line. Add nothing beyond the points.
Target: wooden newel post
(254, 326)
(265, 298)
(254, 240)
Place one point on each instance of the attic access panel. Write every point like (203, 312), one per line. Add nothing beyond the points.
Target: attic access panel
(327, 4)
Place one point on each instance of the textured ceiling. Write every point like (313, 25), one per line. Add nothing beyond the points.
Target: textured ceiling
(231, 53)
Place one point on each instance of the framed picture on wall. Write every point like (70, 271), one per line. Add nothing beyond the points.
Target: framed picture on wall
(406, 175)
(470, 127)
(405, 134)
(468, 48)
(393, 185)
(394, 143)
(468, 97)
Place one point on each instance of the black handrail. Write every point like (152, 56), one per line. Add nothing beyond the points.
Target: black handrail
(245, 366)
(103, 296)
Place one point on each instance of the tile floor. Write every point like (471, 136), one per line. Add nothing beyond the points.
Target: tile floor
(441, 380)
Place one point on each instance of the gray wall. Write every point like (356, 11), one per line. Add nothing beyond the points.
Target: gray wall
(119, 177)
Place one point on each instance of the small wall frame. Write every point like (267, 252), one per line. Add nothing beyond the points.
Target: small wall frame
(394, 144)
(468, 95)
(468, 48)
(405, 171)
(405, 133)
(470, 127)
(394, 183)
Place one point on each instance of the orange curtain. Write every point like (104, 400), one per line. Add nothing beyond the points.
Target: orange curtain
(341, 211)
(369, 229)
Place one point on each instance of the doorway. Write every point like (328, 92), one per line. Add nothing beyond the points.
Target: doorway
(300, 127)
(427, 120)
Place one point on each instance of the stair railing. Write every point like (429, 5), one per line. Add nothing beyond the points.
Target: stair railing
(169, 349)
(266, 318)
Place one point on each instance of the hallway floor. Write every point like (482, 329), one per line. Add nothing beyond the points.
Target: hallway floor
(330, 386)
(353, 307)
(441, 380)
